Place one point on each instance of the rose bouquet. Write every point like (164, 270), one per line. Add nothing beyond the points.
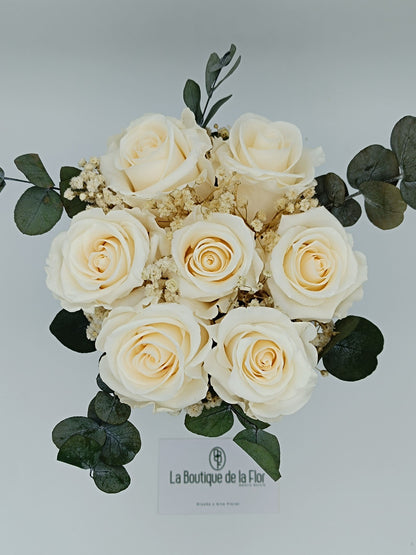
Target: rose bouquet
(212, 270)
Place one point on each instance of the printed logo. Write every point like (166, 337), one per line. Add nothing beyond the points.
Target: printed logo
(217, 458)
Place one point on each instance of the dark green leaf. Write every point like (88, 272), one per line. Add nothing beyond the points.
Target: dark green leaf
(72, 207)
(109, 409)
(348, 213)
(235, 66)
(352, 354)
(110, 479)
(77, 425)
(228, 56)
(192, 98)
(408, 191)
(80, 451)
(403, 143)
(330, 190)
(246, 421)
(2, 182)
(212, 422)
(31, 166)
(212, 71)
(263, 448)
(104, 387)
(374, 163)
(215, 109)
(70, 329)
(122, 444)
(37, 210)
(384, 204)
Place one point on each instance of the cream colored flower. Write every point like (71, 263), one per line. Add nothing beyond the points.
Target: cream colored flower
(214, 255)
(100, 259)
(270, 158)
(263, 362)
(315, 273)
(155, 154)
(155, 355)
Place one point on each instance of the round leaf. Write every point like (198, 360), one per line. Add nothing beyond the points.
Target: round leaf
(246, 421)
(408, 191)
(80, 451)
(348, 213)
(403, 143)
(72, 207)
(263, 448)
(32, 167)
(122, 444)
(109, 409)
(70, 329)
(352, 354)
(77, 425)
(330, 189)
(2, 182)
(374, 163)
(104, 387)
(110, 479)
(384, 204)
(212, 422)
(37, 210)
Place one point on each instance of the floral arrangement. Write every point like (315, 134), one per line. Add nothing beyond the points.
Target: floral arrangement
(212, 269)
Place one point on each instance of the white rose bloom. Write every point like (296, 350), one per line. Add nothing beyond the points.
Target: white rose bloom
(155, 154)
(270, 158)
(100, 259)
(263, 362)
(315, 273)
(214, 255)
(155, 355)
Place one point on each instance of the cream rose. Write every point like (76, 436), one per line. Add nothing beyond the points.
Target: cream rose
(263, 362)
(214, 254)
(270, 159)
(155, 355)
(315, 273)
(100, 259)
(154, 155)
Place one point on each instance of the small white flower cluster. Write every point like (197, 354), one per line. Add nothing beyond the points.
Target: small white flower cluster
(211, 400)
(159, 281)
(96, 319)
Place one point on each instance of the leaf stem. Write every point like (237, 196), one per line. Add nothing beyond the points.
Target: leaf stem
(14, 179)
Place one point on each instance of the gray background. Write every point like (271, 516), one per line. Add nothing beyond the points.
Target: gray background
(74, 73)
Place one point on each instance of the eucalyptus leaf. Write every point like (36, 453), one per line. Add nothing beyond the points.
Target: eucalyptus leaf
(228, 56)
(212, 71)
(403, 143)
(384, 204)
(351, 354)
(78, 425)
(103, 386)
(192, 99)
(72, 207)
(348, 213)
(32, 167)
(374, 163)
(408, 191)
(2, 182)
(215, 109)
(122, 444)
(263, 448)
(235, 66)
(110, 479)
(246, 421)
(37, 210)
(330, 190)
(110, 409)
(80, 451)
(70, 329)
(212, 422)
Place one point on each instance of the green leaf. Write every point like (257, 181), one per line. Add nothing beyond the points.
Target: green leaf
(215, 109)
(235, 66)
(104, 387)
(330, 190)
(37, 210)
(374, 163)
(384, 204)
(246, 421)
(32, 167)
(2, 182)
(192, 98)
(403, 143)
(228, 56)
(122, 444)
(212, 71)
(408, 191)
(110, 479)
(263, 448)
(109, 409)
(212, 422)
(78, 425)
(72, 207)
(80, 451)
(70, 329)
(352, 354)
(348, 213)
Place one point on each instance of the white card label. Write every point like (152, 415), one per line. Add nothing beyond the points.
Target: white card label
(212, 475)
